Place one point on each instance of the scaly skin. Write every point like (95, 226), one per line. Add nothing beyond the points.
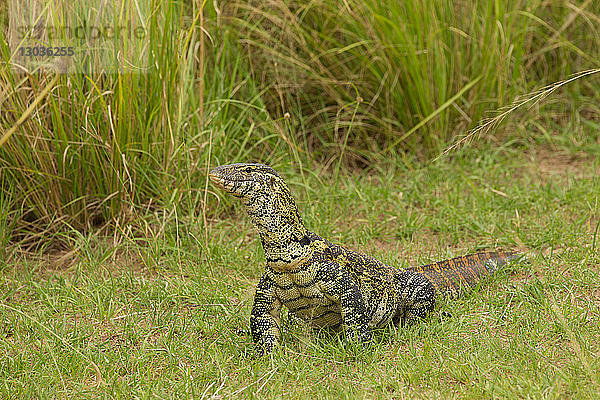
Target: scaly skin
(452, 277)
(325, 284)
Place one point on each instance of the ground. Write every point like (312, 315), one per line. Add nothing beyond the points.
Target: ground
(166, 315)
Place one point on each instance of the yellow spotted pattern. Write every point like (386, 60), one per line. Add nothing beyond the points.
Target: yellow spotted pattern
(328, 285)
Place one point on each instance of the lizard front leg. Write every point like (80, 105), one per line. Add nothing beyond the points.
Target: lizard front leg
(265, 318)
(338, 285)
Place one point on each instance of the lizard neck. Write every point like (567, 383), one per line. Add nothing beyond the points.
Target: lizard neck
(284, 238)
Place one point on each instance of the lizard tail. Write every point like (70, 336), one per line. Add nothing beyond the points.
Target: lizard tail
(451, 277)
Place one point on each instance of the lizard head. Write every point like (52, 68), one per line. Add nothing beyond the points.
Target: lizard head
(267, 199)
(247, 180)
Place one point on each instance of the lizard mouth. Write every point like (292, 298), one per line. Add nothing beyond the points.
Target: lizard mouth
(237, 184)
(228, 185)
(217, 180)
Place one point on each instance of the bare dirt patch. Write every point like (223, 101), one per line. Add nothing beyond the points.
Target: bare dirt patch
(546, 163)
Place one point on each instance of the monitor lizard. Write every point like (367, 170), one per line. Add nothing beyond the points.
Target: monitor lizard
(326, 284)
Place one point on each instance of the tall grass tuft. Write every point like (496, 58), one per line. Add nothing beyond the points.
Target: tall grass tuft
(351, 83)
(423, 71)
(112, 146)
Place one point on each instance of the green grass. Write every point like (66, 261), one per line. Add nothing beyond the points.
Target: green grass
(121, 276)
(105, 148)
(158, 317)
(361, 86)
(445, 62)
